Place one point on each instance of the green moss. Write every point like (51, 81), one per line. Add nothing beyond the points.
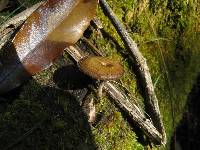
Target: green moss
(163, 30)
(167, 33)
(115, 133)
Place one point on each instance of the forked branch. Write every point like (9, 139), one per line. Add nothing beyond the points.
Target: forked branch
(122, 100)
(142, 71)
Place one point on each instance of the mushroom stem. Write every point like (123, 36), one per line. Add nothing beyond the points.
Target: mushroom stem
(76, 53)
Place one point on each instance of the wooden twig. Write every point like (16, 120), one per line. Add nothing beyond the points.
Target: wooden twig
(143, 73)
(124, 103)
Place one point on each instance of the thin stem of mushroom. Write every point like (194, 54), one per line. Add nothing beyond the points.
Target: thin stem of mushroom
(124, 103)
(76, 53)
(143, 73)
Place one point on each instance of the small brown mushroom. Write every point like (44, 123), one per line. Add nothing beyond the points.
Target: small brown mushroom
(103, 68)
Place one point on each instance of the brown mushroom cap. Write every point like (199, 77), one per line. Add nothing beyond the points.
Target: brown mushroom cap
(102, 68)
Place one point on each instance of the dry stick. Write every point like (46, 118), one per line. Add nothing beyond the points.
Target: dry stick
(144, 75)
(122, 100)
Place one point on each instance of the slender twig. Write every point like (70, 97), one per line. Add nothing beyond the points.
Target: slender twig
(142, 69)
(122, 100)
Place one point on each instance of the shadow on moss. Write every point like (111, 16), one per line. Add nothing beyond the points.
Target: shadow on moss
(39, 117)
(187, 132)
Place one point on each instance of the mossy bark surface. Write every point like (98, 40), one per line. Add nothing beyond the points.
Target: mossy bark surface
(45, 112)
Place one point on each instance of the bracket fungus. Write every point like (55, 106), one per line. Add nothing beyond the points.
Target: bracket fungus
(55, 25)
(103, 68)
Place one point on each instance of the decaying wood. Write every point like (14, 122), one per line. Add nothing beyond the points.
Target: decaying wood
(123, 102)
(134, 112)
(143, 73)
